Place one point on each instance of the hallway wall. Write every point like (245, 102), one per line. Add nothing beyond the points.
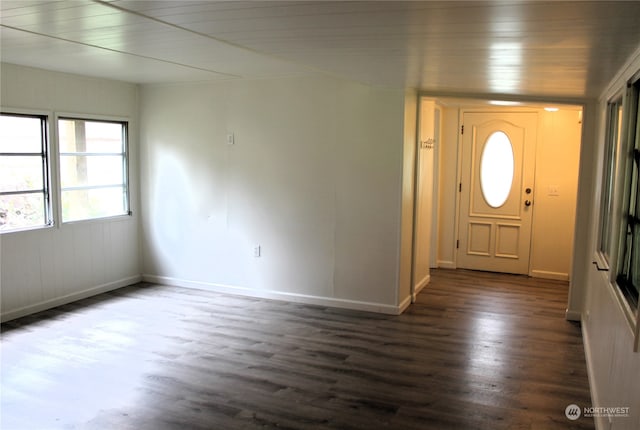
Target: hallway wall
(424, 195)
(556, 188)
(447, 188)
(608, 333)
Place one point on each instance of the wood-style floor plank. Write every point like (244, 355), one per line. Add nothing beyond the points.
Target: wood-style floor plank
(477, 351)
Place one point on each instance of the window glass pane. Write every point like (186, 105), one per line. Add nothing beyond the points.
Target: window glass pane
(92, 157)
(614, 130)
(82, 170)
(20, 134)
(24, 180)
(77, 135)
(92, 203)
(21, 173)
(104, 137)
(629, 261)
(21, 211)
(66, 136)
(497, 169)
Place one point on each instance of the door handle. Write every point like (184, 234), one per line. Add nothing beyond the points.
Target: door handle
(527, 202)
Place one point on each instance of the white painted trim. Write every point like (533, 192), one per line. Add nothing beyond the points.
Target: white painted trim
(72, 297)
(419, 286)
(625, 73)
(445, 264)
(435, 193)
(278, 295)
(571, 315)
(600, 421)
(558, 276)
(404, 305)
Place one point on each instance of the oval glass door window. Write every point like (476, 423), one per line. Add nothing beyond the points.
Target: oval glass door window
(496, 169)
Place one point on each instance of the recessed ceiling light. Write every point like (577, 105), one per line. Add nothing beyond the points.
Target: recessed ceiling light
(551, 109)
(504, 103)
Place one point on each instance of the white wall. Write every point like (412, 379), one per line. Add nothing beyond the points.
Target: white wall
(448, 188)
(46, 267)
(314, 178)
(405, 277)
(555, 193)
(435, 190)
(614, 369)
(424, 196)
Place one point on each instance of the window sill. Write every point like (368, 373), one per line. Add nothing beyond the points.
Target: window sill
(107, 219)
(28, 229)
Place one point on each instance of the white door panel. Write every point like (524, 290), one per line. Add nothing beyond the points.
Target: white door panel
(496, 201)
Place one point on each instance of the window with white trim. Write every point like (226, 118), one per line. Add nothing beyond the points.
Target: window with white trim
(619, 241)
(614, 126)
(24, 172)
(628, 268)
(93, 168)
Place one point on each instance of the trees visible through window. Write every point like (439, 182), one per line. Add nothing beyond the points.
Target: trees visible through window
(24, 172)
(93, 168)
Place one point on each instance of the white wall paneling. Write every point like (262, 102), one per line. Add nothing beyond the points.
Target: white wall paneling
(313, 178)
(613, 365)
(424, 195)
(406, 290)
(46, 267)
(532, 48)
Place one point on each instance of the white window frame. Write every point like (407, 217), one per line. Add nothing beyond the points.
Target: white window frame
(621, 177)
(126, 168)
(631, 129)
(50, 195)
(613, 130)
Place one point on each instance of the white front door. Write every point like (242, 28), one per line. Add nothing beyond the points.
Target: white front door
(496, 191)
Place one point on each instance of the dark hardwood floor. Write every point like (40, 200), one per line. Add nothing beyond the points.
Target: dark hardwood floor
(477, 351)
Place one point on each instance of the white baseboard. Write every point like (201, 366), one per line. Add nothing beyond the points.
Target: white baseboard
(444, 264)
(558, 276)
(277, 295)
(420, 285)
(68, 298)
(571, 315)
(404, 305)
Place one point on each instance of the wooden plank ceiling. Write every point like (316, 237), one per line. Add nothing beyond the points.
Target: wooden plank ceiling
(559, 49)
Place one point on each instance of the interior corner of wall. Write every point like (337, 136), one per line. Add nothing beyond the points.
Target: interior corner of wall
(404, 304)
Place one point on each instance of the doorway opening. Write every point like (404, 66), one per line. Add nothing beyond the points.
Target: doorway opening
(528, 228)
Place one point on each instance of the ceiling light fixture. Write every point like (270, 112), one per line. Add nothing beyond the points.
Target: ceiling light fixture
(504, 103)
